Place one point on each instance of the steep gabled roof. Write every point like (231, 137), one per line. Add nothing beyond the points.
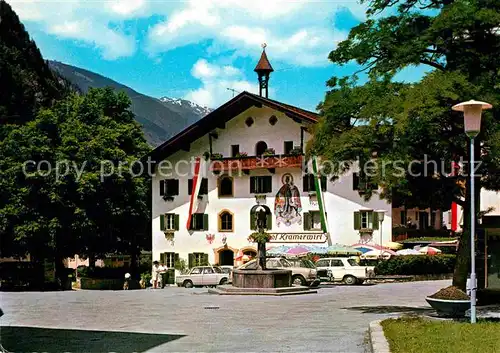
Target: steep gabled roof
(263, 65)
(221, 115)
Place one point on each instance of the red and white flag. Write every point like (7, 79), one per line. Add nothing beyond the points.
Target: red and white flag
(195, 191)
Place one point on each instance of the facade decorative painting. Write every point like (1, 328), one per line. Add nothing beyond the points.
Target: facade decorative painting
(287, 205)
(210, 238)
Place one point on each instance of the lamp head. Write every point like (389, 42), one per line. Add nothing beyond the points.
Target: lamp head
(381, 214)
(472, 115)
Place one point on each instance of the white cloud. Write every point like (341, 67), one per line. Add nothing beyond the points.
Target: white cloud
(215, 81)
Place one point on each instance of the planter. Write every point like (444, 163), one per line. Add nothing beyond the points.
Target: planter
(449, 308)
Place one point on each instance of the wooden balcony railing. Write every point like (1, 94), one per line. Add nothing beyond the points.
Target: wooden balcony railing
(256, 162)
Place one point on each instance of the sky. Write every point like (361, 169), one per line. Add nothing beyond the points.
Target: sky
(198, 49)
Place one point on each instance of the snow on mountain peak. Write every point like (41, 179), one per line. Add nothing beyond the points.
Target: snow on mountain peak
(198, 109)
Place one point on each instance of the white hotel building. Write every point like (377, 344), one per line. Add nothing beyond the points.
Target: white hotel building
(251, 150)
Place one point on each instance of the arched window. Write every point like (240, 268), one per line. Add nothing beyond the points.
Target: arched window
(267, 221)
(226, 223)
(225, 186)
(260, 148)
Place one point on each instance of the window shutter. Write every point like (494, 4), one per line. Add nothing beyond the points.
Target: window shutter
(375, 220)
(190, 260)
(190, 186)
(252, 221)
(162, 222)
(269, 221)
(176, 222)
(357, 220)
(163, 257)
(205, 221)
(307, 221)
(176, 259)
(252, 185)
(305, 183)
(175, 183)
(323, 183)
(205, 260)
(162, 187)
(268, 184)
(204, 186)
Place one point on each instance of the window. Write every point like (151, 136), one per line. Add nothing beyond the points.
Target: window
(169, 221)
(208, 270)
(225, 186)
(199, 221)
(365, 220)
(196, 271)
(288, 147)
(337, 263)
(433, 219)
(197, 259)
(225, 221)
(235, 150)
(268, 220)
(169, 187)
(169, 259)
(203, 186)
(308, 183)
(261, 184)
(352, 262)
(260, 148)
(362, 182)
(323, 263)
(312, 220)
(402, 215)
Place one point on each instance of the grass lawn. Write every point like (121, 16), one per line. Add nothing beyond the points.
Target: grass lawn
(408, 335)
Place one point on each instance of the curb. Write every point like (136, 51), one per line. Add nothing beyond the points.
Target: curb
(378, 342)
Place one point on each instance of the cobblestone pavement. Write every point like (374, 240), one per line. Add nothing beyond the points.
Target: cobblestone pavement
(333, 320)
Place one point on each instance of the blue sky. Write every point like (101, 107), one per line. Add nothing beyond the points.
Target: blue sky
(197, 49)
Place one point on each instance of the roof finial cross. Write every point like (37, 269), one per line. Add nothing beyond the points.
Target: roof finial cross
(264, 45)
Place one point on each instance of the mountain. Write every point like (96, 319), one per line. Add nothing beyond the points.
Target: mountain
(26, 82)
(160, 118)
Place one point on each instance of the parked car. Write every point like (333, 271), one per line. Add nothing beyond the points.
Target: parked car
(345, 269)
(229, 271)
(202, 276)
(324, 275)
(301, 276)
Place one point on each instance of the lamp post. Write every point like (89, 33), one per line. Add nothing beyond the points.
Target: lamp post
(472, 124)
(381, 214)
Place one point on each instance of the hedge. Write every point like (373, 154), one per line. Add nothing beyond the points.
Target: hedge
(416, 265)
(102, 272)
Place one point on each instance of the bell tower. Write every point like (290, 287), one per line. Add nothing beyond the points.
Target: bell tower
(263, 70)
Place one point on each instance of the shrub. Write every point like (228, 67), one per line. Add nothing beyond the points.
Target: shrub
(416, 265)
(146, 277)
(102, 272)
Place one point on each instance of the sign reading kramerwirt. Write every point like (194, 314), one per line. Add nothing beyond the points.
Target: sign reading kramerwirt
(297, 237)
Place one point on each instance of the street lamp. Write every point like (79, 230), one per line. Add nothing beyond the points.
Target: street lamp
(472, 124)
(381, 214)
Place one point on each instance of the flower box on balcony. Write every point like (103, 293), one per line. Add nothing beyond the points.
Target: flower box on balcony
(249, 163)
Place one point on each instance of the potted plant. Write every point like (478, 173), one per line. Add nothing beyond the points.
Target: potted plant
(269, 152)
(206, 155)
(296, 151)
(241, 154)
(449, 302)
(216, 156)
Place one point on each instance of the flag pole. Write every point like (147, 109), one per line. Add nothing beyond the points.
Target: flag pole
(319, 194)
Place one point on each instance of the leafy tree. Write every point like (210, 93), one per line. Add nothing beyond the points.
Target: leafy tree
(62, 204)
(460, 41)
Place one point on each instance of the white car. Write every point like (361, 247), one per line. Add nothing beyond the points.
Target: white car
(345, 269)
(202, 276)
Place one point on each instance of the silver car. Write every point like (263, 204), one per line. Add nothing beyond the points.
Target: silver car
(202, 276)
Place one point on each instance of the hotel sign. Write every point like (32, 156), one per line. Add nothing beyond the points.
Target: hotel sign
(297, 237)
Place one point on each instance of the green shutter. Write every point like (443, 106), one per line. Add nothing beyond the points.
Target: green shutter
(269, 221)
(163, 258)
(375, 219)
(176, 222)
(323, 183)
(205, 221)
(162, 222)
(190, 186)
(205, 260)
(252, 185)
(190, 260)
(253, 219)
(305, 184)
(307, 221)
(357, 220)
(176, 258)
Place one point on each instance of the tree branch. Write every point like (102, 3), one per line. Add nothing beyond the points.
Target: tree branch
(433, 64)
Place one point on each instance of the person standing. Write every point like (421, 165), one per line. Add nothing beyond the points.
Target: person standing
(163, 274)
(155, 274)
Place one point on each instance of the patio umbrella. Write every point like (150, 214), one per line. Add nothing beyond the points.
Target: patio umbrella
(429, 250)
(278, 250)
(339, 249)
(393, 245)
(297, 250)
(375, 254)
(405, 252)
(315, 249)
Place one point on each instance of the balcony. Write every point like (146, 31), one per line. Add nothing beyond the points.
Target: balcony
(247, 163)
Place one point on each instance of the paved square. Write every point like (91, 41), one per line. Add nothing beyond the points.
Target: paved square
(190, 320)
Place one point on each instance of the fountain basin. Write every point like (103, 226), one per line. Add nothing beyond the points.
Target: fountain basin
(262, 278)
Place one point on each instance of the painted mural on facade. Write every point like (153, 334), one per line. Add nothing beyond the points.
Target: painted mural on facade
(287, 205)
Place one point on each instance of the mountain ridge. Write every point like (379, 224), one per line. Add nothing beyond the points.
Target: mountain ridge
(160, 118)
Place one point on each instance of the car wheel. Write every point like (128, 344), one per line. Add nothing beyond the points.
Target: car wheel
(298, 280)
(188, 284)
(223, 281)
(350, 280)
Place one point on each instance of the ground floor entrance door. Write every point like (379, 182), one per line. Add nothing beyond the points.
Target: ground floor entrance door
(226, 258)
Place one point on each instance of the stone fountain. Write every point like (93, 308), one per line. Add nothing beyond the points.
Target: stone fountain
(261, 280)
